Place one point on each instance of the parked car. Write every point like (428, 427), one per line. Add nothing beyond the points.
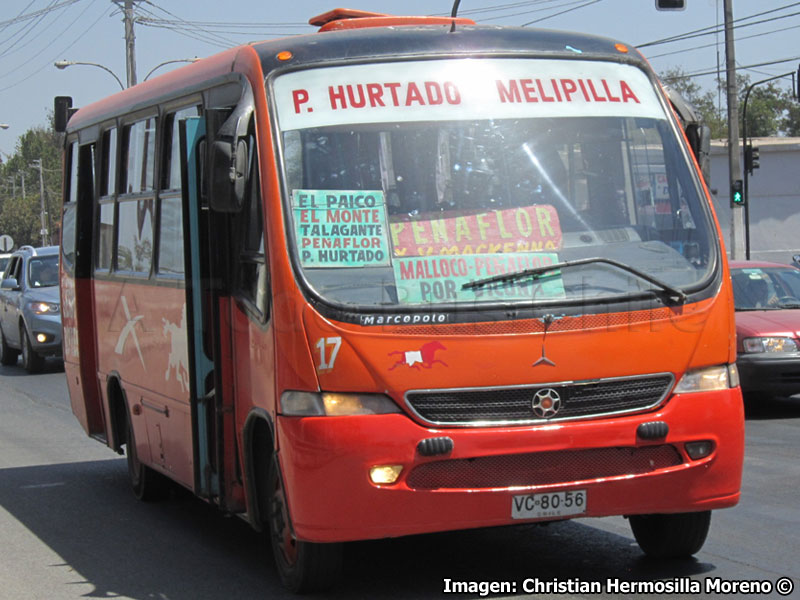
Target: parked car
(30, 314)
(767, 303)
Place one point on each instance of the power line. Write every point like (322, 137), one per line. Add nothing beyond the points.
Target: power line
(49, 62)
(19, 45)
(20, 34)
(540, 3)
(713, 29)
(716, 44)
(5, 24)
(560, 13)
(24, 17)
(714, 70)
(200, 34)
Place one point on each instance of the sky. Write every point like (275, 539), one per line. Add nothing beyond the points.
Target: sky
(36, 33)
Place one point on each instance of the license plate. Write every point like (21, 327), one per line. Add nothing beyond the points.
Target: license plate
(548, 505)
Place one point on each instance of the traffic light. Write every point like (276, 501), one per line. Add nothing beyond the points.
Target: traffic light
(751, 156)
(737, 193)
(670, 4)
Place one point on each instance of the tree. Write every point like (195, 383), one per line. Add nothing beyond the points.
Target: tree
(770, 108)
(21, 217)
(703, 101)
(766, 106)
(791, 119)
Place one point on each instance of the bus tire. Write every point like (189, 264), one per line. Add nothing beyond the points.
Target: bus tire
(677, 535)
(8, 355)
(302, 566)
(32, 362)
(147, 485)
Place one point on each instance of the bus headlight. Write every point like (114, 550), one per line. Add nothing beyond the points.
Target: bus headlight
(769, 344)
(329, 404)
(708, 379)
(385, 474)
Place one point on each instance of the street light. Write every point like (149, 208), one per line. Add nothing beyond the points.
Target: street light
(63, 64)
(4, 125)
(169, 62)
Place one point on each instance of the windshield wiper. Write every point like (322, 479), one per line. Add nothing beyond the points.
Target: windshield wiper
(673, 293)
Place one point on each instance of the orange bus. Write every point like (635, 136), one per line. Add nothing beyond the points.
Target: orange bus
(404, 275)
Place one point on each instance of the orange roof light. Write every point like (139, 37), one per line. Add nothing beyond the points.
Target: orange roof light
(285, 55)
(346, 18)
(621, 48)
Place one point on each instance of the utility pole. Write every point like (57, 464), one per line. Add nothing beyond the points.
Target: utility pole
(130, 39)
(37, 164)
(737, 217)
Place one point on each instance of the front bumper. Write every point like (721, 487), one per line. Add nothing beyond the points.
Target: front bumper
(769, 373)
(50, 327)
(326, 462)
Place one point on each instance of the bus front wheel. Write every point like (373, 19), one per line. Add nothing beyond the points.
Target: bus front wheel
(147, 485)
(677, 535)
(302, 566)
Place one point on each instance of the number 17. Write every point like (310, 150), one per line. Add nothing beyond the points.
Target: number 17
(336, 342)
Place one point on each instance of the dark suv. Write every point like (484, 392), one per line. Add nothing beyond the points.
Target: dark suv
(30, 313)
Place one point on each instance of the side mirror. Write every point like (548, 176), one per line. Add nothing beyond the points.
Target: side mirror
(10, 284)
(702, 150)
(228, 175)
(230, 155)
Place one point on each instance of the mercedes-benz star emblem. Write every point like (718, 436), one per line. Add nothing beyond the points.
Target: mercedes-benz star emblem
(546, 403)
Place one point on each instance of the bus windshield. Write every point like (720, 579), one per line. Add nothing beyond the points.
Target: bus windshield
(408, 181)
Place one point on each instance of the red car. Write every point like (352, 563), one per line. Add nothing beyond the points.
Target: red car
(767, 301)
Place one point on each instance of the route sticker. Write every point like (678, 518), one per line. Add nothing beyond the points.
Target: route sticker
(336, 228)
(434, 279)
(524, 229)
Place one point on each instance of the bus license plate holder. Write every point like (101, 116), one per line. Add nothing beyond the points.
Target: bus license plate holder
(548, 505)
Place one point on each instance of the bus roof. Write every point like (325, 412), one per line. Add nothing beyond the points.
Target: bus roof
(425, 40)
(366, 37)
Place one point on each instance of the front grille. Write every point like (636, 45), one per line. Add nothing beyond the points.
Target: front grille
(541, 468)
(513, 405)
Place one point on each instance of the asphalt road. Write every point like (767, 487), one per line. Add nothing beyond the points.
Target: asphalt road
(70, 527)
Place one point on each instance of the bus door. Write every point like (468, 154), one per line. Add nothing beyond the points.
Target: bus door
(209, 284)
(80, 350)
(202, 326)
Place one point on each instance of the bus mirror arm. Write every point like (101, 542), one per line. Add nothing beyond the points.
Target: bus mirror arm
(700, 141)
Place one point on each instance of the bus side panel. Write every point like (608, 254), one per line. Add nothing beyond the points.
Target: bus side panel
(141, 335)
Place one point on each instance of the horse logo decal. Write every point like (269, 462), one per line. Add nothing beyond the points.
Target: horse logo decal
(178, 354)
(424, 358)
(129, 330)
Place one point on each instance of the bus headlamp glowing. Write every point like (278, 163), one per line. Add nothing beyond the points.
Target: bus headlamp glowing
(708, 379)
(327, 404)
(44, 308)
(385, 474)
(769, 344)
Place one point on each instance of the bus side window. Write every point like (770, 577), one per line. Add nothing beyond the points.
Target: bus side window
(252, 276)
(70, 208)
(136, 203)
(81, 191)
(105, 212)
(169, 235)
